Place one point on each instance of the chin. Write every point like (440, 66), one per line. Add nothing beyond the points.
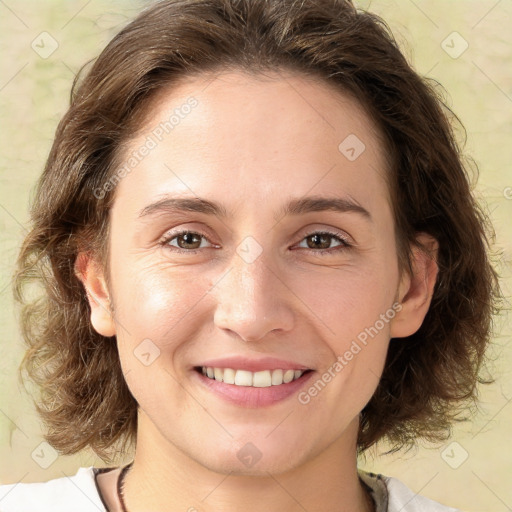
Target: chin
(252, 459)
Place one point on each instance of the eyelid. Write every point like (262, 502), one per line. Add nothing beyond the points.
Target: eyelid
(337, 234)
(325, 229)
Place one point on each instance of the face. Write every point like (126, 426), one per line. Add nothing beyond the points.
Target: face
(285, 249)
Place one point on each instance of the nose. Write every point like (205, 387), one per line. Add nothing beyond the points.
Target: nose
(253, 300)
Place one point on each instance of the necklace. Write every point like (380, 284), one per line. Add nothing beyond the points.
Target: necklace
(120, 482)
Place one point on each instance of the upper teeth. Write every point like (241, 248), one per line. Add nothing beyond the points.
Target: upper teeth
(263, 379)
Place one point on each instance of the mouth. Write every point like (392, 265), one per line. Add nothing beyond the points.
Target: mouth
(260, 379)
(252, 389)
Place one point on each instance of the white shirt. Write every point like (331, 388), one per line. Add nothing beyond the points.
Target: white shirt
(79, 493)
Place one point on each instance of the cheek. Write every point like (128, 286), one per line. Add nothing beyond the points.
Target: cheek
(159, 315)
(346, 300)
(364, 317)
(160, 303)
(352, 308)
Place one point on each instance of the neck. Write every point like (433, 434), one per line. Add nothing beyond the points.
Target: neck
(161, 478)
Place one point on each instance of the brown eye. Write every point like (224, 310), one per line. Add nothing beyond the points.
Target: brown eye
(319, 241)
(189, 240)
(184, 241)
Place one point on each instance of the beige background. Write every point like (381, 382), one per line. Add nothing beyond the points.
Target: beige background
(475, 473)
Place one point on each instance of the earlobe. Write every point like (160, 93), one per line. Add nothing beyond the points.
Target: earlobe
(416, 290)
(91, 275)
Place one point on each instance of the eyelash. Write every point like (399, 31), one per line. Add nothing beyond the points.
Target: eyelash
(321, 252)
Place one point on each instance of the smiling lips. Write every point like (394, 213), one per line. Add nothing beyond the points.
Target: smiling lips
(252, 383)
(261, 379)
(250, 372)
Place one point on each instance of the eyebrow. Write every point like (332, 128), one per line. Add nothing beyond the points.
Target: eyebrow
(297, 206)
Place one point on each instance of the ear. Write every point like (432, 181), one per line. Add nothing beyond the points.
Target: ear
(415, 291)
(92, 277)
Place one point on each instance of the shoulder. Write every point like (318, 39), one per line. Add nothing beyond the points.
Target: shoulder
(392, 495)
(57, 495)
(403, 498)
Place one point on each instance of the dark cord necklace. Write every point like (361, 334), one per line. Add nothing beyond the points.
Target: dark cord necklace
(120, 482)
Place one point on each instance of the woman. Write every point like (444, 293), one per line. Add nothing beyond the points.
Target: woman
(260, 255)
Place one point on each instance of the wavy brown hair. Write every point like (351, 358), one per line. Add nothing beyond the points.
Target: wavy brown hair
(429, 378)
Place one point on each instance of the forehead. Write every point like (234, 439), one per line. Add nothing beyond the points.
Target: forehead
(281, 129)
(263, 104)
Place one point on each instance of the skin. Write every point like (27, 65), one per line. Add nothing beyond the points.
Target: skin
(252, 144)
